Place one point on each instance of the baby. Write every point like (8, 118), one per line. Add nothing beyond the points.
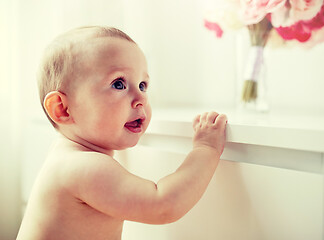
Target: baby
(93, 88)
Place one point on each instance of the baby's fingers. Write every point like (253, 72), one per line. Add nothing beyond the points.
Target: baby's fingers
(211, 117)
(203, 118)
(221, 121)
(196, 122)
(200, 120)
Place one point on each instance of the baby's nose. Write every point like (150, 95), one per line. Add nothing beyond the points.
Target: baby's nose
(139, 100)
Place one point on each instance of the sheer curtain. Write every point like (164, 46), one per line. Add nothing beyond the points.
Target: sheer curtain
(10, 126)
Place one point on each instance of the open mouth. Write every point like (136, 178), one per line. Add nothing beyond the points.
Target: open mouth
(135, 126)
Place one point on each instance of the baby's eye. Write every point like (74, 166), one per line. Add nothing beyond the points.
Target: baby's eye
(143, 86)
(119, 85)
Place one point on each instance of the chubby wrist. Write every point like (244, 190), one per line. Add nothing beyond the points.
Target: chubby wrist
(207, 149)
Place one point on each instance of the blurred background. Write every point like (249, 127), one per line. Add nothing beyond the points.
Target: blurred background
(188, 66)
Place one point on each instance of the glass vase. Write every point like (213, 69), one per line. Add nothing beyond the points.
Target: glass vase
(254, 96)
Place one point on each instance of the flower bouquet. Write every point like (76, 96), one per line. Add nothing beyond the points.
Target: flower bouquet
(268, 22)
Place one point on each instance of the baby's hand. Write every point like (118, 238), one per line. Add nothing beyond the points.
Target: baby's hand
(210, 131)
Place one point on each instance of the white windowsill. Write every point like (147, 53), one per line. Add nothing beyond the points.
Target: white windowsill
(293, 142)
(298, 132)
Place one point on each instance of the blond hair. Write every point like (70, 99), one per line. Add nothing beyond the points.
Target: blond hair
(60, 57)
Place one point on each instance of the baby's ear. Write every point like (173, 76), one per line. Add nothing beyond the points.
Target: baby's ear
(56, 106)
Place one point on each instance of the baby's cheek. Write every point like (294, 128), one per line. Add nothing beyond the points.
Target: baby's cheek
(148, 112)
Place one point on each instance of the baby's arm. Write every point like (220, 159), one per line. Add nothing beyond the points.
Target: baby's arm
(106, 186)
(186, 186)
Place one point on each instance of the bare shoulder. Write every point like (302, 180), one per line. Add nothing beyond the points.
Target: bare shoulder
(74, 166)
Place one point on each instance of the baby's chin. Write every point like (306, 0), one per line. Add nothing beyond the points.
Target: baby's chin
(128, 145)
(125, 144)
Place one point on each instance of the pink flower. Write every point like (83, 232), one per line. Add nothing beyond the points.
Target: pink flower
(316, 38)
(212, 26)
(293, 20)
(285, 12)
(253, 11)
(305, 9)
(295, 10)
(298, 31)
(302, 30)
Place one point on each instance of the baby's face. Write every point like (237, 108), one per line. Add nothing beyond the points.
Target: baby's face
(108, 102)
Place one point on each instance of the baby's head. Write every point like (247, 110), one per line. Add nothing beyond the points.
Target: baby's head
(92, 86)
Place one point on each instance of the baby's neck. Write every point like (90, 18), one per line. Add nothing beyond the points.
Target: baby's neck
(84, 145)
